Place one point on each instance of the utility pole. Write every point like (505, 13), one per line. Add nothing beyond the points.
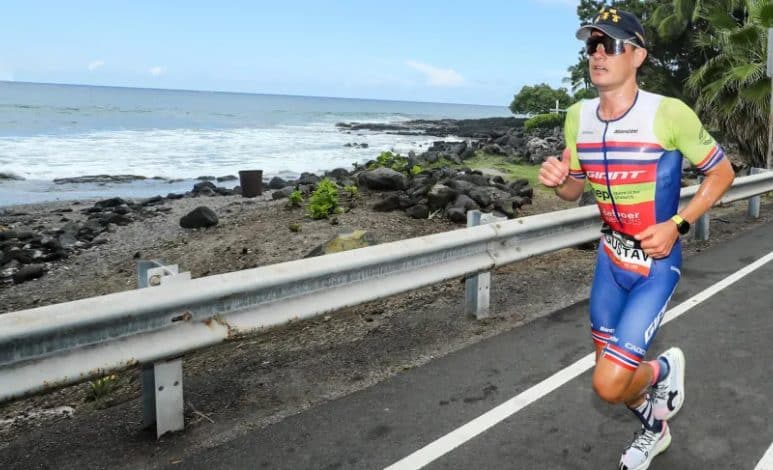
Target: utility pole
(770, 110)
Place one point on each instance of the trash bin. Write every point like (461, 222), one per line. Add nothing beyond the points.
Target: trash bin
(251, 182)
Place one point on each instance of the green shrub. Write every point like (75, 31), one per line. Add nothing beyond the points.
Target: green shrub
(544, 121)
(390, 160)
(296, 198)
(352, 191)
(323, 200)
(416, 169)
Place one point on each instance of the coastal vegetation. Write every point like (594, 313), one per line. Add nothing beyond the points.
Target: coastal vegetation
(544, 121)
(324, 199)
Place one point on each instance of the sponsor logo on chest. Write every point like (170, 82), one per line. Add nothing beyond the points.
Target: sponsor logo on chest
(616, 175)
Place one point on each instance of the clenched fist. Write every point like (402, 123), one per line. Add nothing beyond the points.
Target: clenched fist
(554, 172)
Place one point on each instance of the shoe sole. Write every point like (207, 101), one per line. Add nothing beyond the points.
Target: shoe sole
(659, 449)
(680, 381)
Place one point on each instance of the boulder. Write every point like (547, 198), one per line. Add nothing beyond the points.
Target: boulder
(282, 193)
(205, 188)
(385, 179)
(344, 242)
(152, 201)
(468, 153)
(309, 179)
(465, 202)
(226, 192)
(537, 145)
(419, 211)
(494, 149)
(461, 185)
(5, 175)
(338, 174)
(112, 202)
(481, 195)
(388, 204)
(519, 201)
(456, 214)
(406, 201)
(29, 272)
(506, 207)
(439, 196)
(476, 178)
(277, 183)
(528, 192)
(200, 217)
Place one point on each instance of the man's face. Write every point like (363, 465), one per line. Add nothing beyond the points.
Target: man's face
(608, 71)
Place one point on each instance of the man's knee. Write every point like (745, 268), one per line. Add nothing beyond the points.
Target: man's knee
(608, 391)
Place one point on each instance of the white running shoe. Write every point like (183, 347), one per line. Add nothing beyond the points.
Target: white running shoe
(646, 446)
(668, 394)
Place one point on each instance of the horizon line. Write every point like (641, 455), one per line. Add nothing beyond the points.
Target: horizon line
(190, 90)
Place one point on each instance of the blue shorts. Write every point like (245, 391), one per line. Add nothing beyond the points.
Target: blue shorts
(629, 297)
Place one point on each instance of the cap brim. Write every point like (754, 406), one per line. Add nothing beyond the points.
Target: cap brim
(613, 31)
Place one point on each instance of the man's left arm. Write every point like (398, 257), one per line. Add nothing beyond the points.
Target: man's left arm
(687, 134)
(716, 182)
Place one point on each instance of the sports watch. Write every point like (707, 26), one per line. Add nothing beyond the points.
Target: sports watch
(682, 225)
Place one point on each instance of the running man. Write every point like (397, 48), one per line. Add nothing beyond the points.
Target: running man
(629, 144)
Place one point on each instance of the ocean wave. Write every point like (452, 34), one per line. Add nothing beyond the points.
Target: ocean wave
(189, 152)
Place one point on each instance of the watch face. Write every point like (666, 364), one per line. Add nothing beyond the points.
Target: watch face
(684, 227)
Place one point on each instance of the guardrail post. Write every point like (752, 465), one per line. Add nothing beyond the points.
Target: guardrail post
(754, 202)
(162, 381)
(476, 287)
(702, 224)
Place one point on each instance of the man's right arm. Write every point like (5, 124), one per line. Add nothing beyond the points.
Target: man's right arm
(571, 189)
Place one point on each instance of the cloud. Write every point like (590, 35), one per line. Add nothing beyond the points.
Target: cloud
(156, 71)
(437, 76)
(96, 64)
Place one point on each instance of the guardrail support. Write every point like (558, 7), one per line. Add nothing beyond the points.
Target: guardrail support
(478, 286)
(162, 381)
(162, 396)
(754, 202)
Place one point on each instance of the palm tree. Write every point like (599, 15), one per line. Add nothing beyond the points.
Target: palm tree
(732, 93)
(579, 75)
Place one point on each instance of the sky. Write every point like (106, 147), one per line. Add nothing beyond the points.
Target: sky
(479, 52)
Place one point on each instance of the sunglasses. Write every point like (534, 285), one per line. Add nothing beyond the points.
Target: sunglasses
(612, 46)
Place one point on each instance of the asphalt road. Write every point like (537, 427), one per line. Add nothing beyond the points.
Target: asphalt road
(726, 423)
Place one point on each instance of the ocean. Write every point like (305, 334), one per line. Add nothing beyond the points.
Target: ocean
(50, 131)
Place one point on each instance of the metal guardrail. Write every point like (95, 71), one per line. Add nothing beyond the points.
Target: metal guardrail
(56, 345)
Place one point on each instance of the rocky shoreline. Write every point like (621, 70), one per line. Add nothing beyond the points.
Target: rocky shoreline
(434, 182)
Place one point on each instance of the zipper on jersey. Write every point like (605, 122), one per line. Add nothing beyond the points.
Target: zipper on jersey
(606, 172)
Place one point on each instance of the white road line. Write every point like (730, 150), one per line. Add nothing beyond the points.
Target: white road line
(460, 435)
(767, 460)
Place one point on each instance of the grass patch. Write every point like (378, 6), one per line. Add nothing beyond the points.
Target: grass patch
(101, 387)
(510, 171)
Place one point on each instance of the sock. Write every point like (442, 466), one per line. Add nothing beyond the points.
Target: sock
(660, 368)
(645, 415)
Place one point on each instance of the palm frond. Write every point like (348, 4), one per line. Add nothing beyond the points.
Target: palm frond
(765, 15)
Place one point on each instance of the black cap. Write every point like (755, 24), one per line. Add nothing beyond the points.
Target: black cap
(616, 23)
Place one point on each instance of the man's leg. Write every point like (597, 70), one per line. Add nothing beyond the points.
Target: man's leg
(621, 376)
